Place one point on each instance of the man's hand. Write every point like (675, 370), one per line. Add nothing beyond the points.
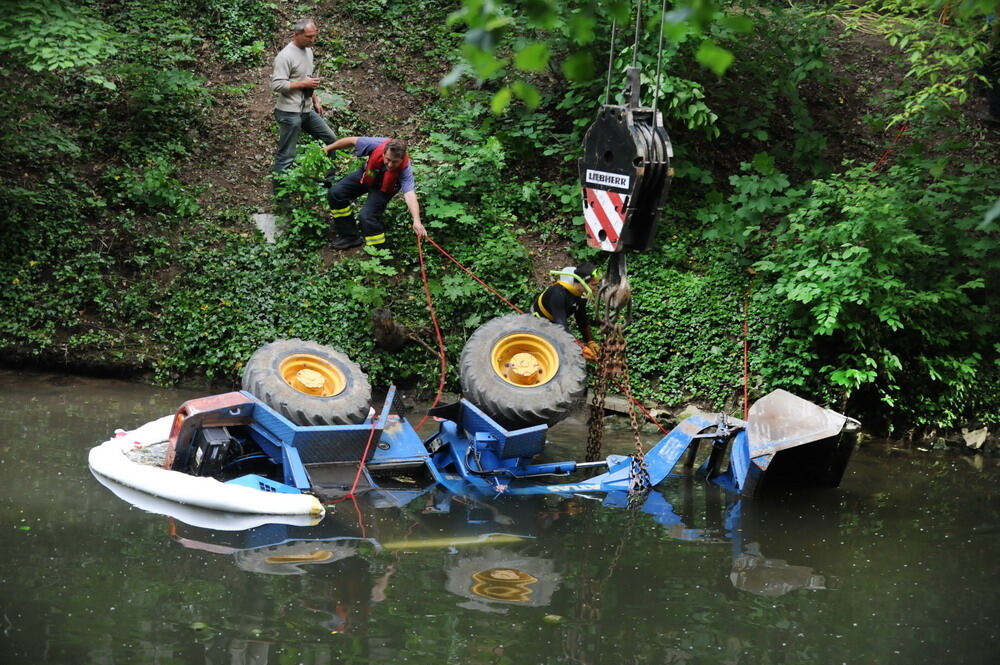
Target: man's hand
(307, 82)
(413, 205)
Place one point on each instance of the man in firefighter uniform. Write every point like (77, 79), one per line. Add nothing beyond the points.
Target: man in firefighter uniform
(568, 297)
(386, 171)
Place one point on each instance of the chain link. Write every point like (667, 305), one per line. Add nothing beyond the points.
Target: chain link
(609, 366)
(595, 423)
(613, 363)
(639, 478)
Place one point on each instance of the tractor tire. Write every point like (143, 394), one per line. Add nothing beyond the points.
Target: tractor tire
(522, 371)
(308, 383)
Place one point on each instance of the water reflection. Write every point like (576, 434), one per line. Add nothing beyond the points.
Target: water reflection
(86, 578)
(484, 563)
(755, 573)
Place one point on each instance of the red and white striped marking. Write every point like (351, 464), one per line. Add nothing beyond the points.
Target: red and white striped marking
(604, 215)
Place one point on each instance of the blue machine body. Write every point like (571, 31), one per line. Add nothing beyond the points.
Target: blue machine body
(472, 455)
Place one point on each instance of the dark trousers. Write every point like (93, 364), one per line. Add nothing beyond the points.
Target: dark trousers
(290, 127)
(340, 196)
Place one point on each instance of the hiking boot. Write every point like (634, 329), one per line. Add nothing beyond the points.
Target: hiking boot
(346, 243)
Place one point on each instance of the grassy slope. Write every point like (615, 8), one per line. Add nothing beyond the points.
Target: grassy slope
(201, 306)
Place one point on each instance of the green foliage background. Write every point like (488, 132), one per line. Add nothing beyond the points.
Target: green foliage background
(863, 285)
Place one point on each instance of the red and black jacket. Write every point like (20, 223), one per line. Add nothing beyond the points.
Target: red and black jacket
(376, 163)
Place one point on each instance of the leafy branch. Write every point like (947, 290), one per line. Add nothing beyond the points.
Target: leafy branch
(941, 45)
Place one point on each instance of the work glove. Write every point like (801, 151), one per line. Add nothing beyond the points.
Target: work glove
(592, 351)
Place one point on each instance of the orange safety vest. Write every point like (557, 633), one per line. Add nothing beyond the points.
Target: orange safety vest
(376, 161)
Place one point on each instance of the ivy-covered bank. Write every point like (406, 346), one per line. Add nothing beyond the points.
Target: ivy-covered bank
(834, 192)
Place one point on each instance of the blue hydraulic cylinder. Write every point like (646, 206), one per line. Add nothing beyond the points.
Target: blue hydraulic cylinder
(663, 457)
(549, 469)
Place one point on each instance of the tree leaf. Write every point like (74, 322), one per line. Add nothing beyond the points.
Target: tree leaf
(714, 57)
(532, 58)
(527, 93)
(579, 66)
(738, 23)
(500, 100)
(989, 222)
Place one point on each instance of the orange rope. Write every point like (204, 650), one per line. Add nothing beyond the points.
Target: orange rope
(442, 357)
(892, 146)
(474, 276)
(364, 456)
(430, 308)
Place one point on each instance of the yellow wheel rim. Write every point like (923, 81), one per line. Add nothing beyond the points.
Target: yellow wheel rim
(504, 584)
(319, 556)
(312, 375)
(525, 359)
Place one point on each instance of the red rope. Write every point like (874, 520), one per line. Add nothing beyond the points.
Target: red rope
(437, 329)
(357, 510)
(359, 516)
(364, 456)
(892, 146)
(649, 416)
(474, 276)
(361, 465)
(746, 368)
(442, 357)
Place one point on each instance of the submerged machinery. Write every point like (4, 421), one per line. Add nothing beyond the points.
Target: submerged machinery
(239, 452)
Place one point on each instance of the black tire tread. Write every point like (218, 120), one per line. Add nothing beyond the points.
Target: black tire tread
(518, 406)
(262, 379)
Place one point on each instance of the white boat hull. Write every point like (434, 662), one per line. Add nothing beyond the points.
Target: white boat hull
(111, 460)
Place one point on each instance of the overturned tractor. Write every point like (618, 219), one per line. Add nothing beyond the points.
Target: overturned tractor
(303, 427)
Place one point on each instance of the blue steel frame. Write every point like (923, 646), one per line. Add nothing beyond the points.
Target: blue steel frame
(472, 454)
(284, 442)
(466, 459)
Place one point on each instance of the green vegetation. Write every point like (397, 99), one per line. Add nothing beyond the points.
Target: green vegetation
(844, 214)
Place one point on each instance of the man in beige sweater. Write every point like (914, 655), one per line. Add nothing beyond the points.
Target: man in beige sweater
(297, 108)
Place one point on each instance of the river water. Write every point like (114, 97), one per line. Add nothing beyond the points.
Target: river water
(899, 565)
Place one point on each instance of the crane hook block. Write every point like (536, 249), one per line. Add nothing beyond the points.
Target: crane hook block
(625, 173)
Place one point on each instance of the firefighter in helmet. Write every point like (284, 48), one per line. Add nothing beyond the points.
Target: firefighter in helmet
(566, 297)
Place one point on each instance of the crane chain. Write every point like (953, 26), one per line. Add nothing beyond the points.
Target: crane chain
(616, 294)
(609, 366)
(639, 481)
(591, 591)
(614, 363)
(595, 422)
